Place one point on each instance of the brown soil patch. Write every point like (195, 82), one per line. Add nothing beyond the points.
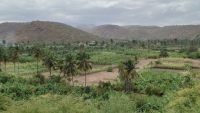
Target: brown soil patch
(104, 76)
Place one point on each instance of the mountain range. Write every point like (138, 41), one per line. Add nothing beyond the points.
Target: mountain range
(45, 31)
(136, 32)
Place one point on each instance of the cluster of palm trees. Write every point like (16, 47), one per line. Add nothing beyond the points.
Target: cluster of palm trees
(70, 65)
(9, 54)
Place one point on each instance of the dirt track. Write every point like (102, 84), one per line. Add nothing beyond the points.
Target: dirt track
(95, 78)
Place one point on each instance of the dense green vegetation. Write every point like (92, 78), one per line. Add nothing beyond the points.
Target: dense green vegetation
(152, 91)
(39, 78)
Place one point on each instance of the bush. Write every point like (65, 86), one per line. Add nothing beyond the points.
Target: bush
(187, 82)
(58, 88)
(38, 79)
(4, 102)
(154, 91)
(17, 90)
(193, 55)
(26, 58)
(5, 78)
(185, 101)
(20, 88)
(158, 62)
(142, 105)
(118, 86)
(103, 89)
(147, 104)
(118, 103)
(182, 50)
(188, 67)
(155, 82)
(55, 79)
(163, 53)
(192, 49)
(110, 69)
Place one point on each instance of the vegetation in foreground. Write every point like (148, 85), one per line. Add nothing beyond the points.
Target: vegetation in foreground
(23, 89)
(152, 92)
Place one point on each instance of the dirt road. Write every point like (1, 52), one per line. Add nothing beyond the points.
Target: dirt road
(95, 78)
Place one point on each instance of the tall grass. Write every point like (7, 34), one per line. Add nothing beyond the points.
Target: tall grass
(185, 101)
(53, 104)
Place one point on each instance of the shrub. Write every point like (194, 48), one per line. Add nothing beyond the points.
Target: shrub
(187, 67)
(192, 49)
(187, 82)
(182, 50)
(118, 86)
(4, 102)
(26, 58)
(38, 78)
(147, 104)
(55, 79)
(193, 55)
(110, 69)
(163, 53)
(87, 89)
(58, 88)
(118, 103)
(158, 62)
(17, 90)
(151, 80)
(102, 90)
(154, 91)
(142, 105)
(20, 88)
(5, 78)
(185, 101)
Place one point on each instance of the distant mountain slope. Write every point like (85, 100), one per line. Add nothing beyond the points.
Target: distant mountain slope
(111, 31)
(146, 32)
(43, 31)
(8, 31)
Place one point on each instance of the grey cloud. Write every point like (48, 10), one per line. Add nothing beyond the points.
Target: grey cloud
(140, 12)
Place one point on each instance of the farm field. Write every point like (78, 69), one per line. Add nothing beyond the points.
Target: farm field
(114, 79)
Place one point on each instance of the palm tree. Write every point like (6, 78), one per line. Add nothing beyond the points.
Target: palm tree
(5, 57)
(37, 54)
(49, 62)
(70, 67)
(18, 51)
(14, 55)
(59, 66)
(83, 63)
(127, 73)
(1, 57)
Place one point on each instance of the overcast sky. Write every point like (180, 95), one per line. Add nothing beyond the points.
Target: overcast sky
(123, 12)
